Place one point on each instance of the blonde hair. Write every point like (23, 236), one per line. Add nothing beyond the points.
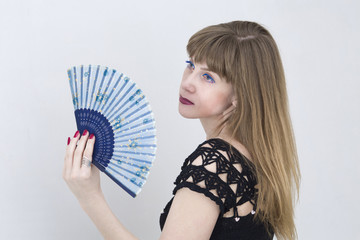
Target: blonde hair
(246, 55)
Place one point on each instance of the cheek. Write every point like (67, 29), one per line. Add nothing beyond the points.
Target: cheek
(217, 103)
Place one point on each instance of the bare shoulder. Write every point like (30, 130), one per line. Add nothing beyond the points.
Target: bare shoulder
(241, 148)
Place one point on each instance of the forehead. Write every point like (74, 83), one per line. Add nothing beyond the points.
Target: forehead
(203, 66)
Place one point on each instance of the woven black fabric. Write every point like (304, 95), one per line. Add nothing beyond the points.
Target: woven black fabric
(220, 172)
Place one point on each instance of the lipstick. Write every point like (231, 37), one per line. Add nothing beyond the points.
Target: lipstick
(185, 101)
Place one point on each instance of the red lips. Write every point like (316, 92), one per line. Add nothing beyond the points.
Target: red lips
(185, 101)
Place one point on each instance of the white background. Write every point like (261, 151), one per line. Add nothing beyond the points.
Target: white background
(39, 40)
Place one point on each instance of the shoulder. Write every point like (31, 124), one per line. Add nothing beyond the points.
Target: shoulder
(221, 152)
(219, 172)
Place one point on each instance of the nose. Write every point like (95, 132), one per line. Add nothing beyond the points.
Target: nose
(187, 82)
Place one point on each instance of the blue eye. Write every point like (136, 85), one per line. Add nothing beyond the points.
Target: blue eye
(208, 78)
(190, 64)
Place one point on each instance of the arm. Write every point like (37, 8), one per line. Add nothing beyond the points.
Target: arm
(192, 215)
(104, 219)
(84, 182)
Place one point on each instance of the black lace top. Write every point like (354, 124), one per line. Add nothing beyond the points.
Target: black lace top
(223, 174)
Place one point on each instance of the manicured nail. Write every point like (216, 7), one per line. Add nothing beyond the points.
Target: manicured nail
(85, 132)
(68, 140)
(76, 134)
(91, 136)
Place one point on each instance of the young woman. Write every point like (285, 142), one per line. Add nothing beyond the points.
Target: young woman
(240, 182)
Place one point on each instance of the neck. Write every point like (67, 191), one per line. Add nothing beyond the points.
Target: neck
(210, 125)
(210, 130)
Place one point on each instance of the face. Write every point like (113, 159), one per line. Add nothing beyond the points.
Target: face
(203, 94)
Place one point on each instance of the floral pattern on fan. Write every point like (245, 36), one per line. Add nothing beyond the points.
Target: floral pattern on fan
(111, 106)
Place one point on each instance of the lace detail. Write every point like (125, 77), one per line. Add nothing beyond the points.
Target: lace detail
(220, 172)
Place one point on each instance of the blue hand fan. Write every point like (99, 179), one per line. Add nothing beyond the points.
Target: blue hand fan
(110, 105)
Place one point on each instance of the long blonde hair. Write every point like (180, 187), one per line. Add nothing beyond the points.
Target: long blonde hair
(246, 55)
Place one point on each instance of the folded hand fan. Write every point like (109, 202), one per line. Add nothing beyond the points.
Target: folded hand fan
(110, 105)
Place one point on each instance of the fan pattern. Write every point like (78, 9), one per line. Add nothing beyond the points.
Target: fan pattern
(110, 105)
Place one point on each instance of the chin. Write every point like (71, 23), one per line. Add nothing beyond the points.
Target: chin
(186, 113)
(188, 116)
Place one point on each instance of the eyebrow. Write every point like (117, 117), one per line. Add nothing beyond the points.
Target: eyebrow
(204, 69)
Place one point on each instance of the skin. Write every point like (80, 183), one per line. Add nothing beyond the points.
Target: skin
(212, 96)
(213, 102)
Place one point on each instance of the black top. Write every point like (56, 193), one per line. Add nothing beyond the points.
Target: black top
(229, 181)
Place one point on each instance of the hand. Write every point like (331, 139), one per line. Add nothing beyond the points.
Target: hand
(82, 178)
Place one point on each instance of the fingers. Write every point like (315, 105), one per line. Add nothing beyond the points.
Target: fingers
(68, 162)
(82, 179)
(78, 154)
(87, 155)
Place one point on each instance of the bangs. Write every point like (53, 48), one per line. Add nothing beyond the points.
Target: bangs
(216, 49)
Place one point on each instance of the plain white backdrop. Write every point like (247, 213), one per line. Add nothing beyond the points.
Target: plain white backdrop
(40, 39)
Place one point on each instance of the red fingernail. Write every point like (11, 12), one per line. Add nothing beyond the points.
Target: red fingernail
(76, 134)
(91, 136)
(68, 140)
(85, 132)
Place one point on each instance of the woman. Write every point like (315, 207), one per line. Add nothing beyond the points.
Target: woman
(239, 183)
